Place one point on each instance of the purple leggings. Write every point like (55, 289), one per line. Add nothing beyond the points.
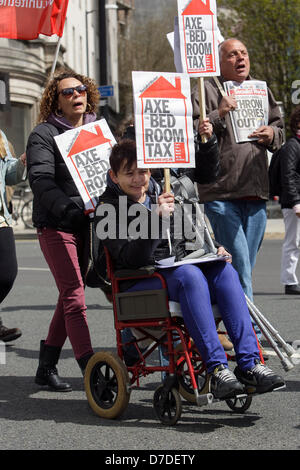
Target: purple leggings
(62, 252)
(196, 288)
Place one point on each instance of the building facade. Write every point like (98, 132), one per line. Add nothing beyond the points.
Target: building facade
(89, 46)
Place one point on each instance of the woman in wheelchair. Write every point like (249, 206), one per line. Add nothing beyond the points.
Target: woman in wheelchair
(195, 286)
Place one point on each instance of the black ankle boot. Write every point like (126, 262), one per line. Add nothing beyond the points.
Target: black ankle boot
(47, 373)
(82, 362)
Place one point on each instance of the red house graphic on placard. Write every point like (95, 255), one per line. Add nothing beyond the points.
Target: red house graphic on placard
(162, 89)
(87, 140)
(200, 8)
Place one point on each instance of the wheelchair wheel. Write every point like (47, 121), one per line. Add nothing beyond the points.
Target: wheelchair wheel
(106, 384)
(167, 405)
(239, 404)
(185, 386)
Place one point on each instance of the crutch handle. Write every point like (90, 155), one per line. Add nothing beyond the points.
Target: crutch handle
(287, 365)
(290, 350)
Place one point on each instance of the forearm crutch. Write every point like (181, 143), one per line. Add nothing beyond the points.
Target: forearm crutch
(268, 331)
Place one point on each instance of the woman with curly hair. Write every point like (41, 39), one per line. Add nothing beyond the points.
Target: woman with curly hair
(69, 101)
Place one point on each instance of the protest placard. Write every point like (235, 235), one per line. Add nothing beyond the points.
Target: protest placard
(198, 32)
(163, 120)
(252, 109)
(86, 151)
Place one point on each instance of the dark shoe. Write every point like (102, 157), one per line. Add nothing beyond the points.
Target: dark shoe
(130, 356)
(260, 379)
(224, 384)
(83, 361)
(9, 334)
(49, 376)
(292, 289)
(47, 372)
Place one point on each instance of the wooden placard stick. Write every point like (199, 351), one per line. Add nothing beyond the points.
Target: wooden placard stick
(167, 180)
(202, 110)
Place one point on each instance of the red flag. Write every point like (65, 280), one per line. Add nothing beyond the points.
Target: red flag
(26, 19)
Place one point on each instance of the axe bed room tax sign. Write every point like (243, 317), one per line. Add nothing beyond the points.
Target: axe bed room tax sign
(163, 120)
(252, 109)
(86, 151)
(198, 32)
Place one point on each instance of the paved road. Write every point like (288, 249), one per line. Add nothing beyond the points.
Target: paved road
(32, 418)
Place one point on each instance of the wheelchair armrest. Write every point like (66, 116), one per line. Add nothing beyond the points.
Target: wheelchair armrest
(144, 271)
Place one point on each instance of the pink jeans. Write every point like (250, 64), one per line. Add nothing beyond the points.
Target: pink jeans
(62, 252)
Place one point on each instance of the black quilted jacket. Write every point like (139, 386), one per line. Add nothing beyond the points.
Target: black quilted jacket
(54, 191)
(290, 173)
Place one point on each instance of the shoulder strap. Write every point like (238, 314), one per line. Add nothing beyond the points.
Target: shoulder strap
(220, 88)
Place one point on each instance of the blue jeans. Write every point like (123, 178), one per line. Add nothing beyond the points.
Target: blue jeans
(240, 226)
(196, 287)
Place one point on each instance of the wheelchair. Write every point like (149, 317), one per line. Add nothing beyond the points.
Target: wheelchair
(155, 322)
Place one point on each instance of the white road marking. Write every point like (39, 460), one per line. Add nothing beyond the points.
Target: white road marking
(34, 269)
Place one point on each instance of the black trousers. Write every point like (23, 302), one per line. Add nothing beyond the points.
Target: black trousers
(8, 261)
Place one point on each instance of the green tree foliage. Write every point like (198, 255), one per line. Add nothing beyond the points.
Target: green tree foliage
(270, 30)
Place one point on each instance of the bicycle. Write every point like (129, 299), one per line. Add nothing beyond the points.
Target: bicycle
(22, 205)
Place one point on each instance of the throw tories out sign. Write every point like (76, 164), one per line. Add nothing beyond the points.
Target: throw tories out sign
(86, 151)
(163, 120)
(198, 33)
(252, 109)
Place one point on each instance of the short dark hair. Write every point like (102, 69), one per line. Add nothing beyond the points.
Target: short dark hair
(295, 120)
(123, 155)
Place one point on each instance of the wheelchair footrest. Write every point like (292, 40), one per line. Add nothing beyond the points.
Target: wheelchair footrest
(279, 388)
(256, 394)
(204, 399)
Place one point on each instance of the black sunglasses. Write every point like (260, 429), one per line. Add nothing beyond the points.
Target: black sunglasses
(68, 92)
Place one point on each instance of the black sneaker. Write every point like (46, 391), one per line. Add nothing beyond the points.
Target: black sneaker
(8, 334)
(292, 289)
(224, 384)
(260, 379)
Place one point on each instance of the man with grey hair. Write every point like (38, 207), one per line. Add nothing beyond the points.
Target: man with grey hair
(236, 203)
